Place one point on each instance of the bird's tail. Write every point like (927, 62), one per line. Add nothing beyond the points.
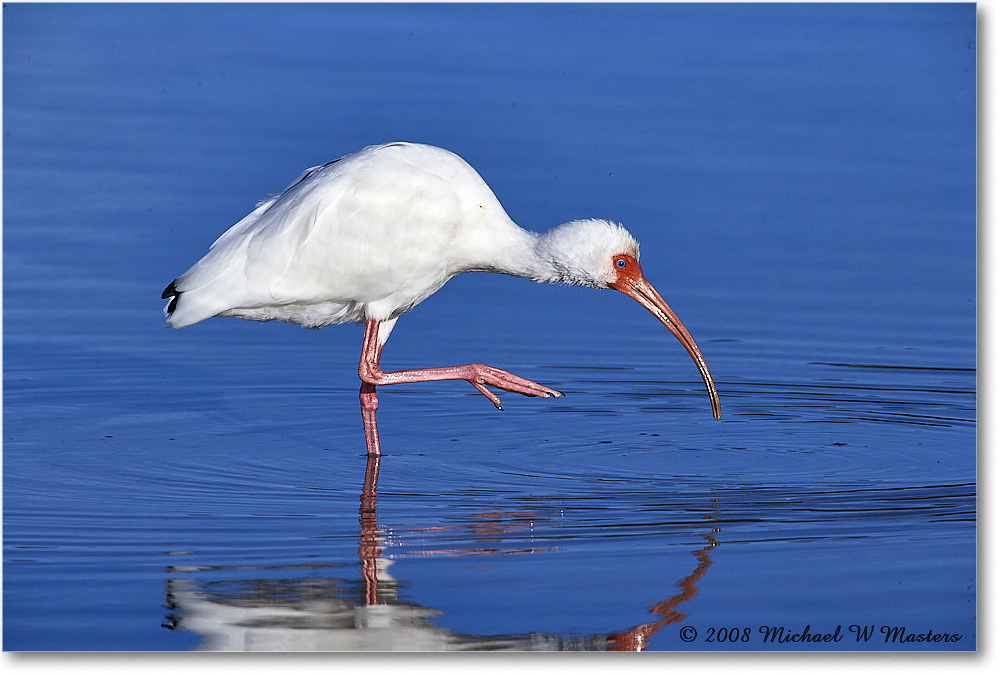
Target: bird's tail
(171, 293)
(187, 305)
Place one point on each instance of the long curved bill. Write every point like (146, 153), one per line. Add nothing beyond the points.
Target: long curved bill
(643, 292)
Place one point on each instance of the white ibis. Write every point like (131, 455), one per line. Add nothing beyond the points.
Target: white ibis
(371, 235)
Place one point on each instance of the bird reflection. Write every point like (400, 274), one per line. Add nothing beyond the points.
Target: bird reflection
(328, 613)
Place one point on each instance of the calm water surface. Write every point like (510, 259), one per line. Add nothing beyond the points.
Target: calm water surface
(802, 180)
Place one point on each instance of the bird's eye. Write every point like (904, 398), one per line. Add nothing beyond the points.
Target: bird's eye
(620, 263)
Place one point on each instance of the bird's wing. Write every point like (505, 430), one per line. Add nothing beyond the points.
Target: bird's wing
(378, 228)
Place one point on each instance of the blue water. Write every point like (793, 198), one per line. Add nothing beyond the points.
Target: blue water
(802, 180)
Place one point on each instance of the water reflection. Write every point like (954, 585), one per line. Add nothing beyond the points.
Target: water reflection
(328, 612)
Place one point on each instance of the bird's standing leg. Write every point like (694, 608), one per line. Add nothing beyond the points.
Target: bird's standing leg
(371, 351)
(476, 374)
(369, 404)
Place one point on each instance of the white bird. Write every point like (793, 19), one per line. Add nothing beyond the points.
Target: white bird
(371, 235)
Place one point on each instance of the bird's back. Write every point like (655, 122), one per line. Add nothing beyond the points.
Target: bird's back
(366, 236)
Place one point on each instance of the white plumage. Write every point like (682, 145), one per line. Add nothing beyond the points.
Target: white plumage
(369, 236)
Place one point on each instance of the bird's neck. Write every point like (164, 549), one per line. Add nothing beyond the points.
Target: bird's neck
(532, 258)
(517, 252)
(550, 261)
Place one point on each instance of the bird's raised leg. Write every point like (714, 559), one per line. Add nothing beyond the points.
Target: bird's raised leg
(476, 374)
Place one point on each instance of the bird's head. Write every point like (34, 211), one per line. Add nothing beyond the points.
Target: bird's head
(602, 254)
(582, 251)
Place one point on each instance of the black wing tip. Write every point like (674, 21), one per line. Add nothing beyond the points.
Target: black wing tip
(172, 293)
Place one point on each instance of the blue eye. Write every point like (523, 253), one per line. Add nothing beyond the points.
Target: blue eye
(620, 263)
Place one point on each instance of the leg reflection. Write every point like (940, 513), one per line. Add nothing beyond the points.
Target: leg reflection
(369, 549)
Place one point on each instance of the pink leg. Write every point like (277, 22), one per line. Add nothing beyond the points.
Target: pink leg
(476, 374)
(369, 404)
